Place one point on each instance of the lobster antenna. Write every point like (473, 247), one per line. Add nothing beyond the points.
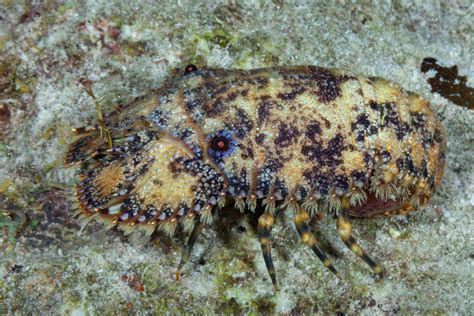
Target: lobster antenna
(104, 131)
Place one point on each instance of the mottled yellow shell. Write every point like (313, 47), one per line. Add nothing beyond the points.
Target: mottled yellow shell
(300, 135)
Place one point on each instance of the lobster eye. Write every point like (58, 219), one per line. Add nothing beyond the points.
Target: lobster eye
(189, 69)
(221, 144)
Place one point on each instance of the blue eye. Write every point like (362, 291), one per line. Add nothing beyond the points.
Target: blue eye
(220, 144)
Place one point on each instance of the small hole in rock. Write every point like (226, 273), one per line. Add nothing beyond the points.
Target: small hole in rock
(242, 229)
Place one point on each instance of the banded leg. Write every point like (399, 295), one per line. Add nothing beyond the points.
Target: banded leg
(344, 229)
(301, 220)
(265, 223)
(198, 227)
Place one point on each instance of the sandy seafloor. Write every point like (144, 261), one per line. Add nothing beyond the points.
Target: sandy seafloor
(49, 264)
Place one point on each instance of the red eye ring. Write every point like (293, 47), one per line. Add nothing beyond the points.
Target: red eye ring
(219, 143)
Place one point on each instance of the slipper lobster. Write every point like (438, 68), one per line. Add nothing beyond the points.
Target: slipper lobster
(301, 139)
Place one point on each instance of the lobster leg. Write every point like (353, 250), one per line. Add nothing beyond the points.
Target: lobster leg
(301, 220)
(265, 223)
(344, 229)
(198, 227)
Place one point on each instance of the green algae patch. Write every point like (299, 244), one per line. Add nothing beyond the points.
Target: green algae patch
(11, 224)
(246, 49)
(219, 36)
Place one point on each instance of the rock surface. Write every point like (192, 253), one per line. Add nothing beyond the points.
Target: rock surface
(52, 263)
